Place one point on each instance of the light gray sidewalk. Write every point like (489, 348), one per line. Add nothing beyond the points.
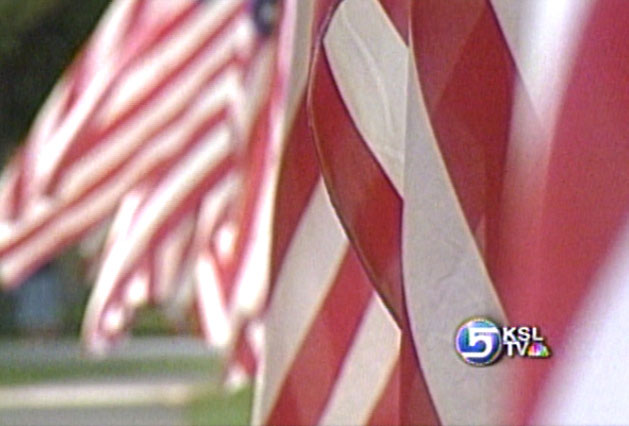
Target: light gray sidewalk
(95, 416)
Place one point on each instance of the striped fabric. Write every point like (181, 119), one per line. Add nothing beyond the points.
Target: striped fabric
(343, 109)
(232, 264)
(332, 349)
(136, 101)
(567, 261)
(497, 183)
(194, 219)
(433, 169)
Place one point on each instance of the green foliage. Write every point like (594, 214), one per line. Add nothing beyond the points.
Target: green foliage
(38, 39)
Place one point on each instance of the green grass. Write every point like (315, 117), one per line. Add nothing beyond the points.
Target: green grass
(23, 374)
(220, 408)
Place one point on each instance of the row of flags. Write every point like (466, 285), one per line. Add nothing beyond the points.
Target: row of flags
(334, 186)
(156, 132)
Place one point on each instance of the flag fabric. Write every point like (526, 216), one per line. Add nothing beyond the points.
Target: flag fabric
(433, 169)
(565, 249)
(135, 101)
(23, 195)
(349, 128)
(460, 162)
(232, 259)
(185, 213)
(485, 189)
(331, 347)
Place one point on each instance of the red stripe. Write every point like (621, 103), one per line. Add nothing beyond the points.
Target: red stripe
(299, 172)
(243, 354)
(307, 386)
(76, 233)
(351, 172)
(256, 162)
(398, 13)
(468, 78)
(387, 409)
(90, 137)
(415, 401)
(17, 185)
(298, 177)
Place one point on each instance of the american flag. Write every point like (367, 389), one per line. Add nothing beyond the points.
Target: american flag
(462, 160)
(476, 161)
(182, 207)
(325, 326)
(566, 253)
(155, 119)
(135, 101)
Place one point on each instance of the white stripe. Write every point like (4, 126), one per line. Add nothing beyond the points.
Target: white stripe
(184, 177)
(444, 278)
(372, 80)
(300, 44)
(137, 292)
(302, 285)
(549, 33)
(589, 379)
(214, 202)
(542, 37)
(107, 38)
(170, 257)
(216, 321)
(182, 94)
(49, 154)
(46, 122)
(252, 281)
(256, 85)
(366, 370)
(127, 210)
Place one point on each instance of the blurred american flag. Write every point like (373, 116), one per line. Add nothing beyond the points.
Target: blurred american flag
(438, 161)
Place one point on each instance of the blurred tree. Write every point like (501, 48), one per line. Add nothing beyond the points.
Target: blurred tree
(38, 39)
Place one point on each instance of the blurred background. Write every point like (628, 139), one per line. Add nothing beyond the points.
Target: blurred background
(157, 377)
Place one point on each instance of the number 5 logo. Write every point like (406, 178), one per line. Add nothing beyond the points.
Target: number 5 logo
(478, 335)
(478, 342)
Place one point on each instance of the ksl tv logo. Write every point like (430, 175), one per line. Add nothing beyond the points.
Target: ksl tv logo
(480, 342)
